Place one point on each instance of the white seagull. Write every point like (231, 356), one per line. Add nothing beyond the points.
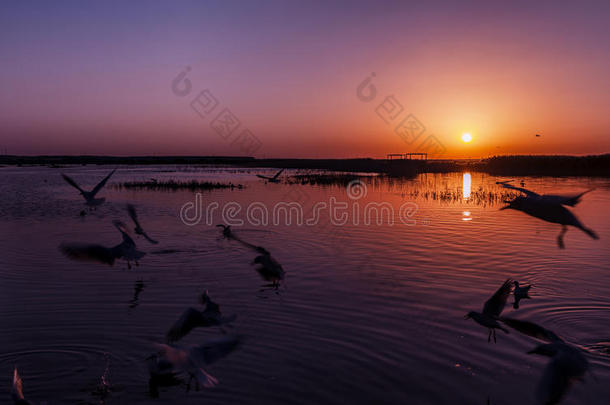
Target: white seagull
(271, 179)
(89, 196)
(125, 250)
(175, 360)
(491, 311)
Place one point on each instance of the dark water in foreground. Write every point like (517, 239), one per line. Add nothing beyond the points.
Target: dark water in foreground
(368, 313)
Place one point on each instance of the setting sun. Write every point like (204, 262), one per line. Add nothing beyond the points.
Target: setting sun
(466, 137)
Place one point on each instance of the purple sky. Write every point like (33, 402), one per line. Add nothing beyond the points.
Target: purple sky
(95, 78)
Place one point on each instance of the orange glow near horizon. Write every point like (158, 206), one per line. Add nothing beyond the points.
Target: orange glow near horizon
(293, 81)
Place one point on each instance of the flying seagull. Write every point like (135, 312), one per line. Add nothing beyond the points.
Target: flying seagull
(551, 212)
(125, 250)
(138, 229)
(273, 179)
(17, 390)
(176, 360)
(491, 310)
(569, 200)
(89, 196)
(269, 268)
(566, 366)
(193, 318)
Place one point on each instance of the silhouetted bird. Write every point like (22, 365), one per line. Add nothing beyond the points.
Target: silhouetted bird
(520, 293)
(491, 310)
(550, 212)
(226, 230)
(137, 289)
(538, 135)
(269, 268)
(570, 200)
(567, 365)
(89, 196)
(273, 179)
(138, 229)
(193, 318)
(174, 360)
(125, 250)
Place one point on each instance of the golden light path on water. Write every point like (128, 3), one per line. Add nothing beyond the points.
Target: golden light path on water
(466, 188)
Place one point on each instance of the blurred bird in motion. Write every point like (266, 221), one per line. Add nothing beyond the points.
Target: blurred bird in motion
(125, 250)
(269, 268)
(271, 179)
(138, 229)
(550, 212)
(89, 196)
(550, 208)
(17, 390)
(193, 318)
(491, 311)
(175, 361)
(226, 231)
(520, 293)
(569, 200)
(567, 365)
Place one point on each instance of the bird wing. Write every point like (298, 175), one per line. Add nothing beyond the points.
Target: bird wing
(277, 174)
(525, 191)
(190, 319)
(214, 350)
(570, 200)
(554, 383)
(101, 184)
(17, 389)
(263, 177)
(175, 354)
(531, 329)
(133, 215)
(121, 227)
(494, 306)
(247, 244)
(204, 378)
(148, 238)
(88, 252)
(71, 182)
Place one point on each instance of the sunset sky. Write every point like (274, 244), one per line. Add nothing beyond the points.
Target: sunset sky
(96, 77)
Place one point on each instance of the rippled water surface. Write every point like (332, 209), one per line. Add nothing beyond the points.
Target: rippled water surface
(367, 314)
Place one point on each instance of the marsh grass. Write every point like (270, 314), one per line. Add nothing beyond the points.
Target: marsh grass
(173, 185)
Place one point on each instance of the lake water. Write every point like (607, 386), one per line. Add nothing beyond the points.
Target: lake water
(367, 313)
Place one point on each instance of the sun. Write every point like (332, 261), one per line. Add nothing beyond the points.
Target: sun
(466, 137)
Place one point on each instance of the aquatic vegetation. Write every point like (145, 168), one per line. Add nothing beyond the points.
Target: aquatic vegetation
(173, 185)
(323, 179)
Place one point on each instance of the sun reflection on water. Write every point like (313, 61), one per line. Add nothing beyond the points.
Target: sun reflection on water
(466, 186)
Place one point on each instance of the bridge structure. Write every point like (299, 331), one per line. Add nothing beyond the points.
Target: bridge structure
(407, 156)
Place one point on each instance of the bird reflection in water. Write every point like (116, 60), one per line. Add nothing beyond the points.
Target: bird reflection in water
(137, 289)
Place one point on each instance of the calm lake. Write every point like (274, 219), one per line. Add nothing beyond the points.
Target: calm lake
(368, 313)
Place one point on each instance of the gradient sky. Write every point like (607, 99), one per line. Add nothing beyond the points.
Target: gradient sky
(95, 77)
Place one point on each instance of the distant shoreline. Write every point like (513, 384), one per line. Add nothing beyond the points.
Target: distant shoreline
(512, 165)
